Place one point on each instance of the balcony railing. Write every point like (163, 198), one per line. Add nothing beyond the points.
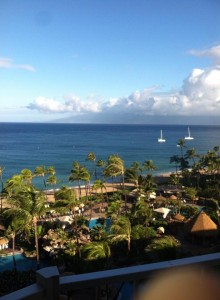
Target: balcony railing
(50, 285)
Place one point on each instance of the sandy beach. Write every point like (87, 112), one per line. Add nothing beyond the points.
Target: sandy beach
(160, 179)
(109, 188)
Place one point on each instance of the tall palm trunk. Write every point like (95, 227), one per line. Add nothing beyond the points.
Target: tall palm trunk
(91, 207)
(2, 187)
(106, 193)
(125, 194)
(13, 251)
(129, 244)
(1, 204)
(36, 242)
(79, 187)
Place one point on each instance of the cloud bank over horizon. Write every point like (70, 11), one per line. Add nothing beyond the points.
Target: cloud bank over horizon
(198, 96)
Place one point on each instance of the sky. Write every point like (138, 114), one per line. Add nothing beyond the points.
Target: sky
(110, 61)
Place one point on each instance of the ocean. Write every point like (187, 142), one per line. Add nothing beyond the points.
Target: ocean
(27, 145)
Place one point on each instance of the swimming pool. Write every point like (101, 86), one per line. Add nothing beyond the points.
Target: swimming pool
(22, 263)
(94, 222)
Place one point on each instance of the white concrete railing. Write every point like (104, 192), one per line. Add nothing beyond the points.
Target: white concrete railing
(50, 284)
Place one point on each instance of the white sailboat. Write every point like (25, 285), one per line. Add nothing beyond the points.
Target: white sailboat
(189, 137)
(161, 139)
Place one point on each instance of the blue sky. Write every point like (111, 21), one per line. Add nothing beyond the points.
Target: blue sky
(112, 61)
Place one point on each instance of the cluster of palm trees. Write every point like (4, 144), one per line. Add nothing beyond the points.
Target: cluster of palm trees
(190, 163)
(26, 203)
(189, 158)
(129, 223)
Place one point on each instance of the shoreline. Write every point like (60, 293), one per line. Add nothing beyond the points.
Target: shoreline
(159, 178)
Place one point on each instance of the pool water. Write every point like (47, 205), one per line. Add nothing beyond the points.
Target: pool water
(22, 263)
(94, 222)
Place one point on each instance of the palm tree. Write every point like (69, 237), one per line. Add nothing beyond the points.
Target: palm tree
(51, 170)
(66, 200)
(28, 205)
(16, 225)
(149, 185)
(115, 167)
(164, 247)
(91, 156)
(52, 180)
(15, 182)
(1, 177)
(136, 166)
(131, 176)
(196, 171)
(174, 179)
(216, 149)
(79, 173)
(114, 209)
(191, 154)
(40, 171)
(121, 231)
(99, 184)
(149, 166)
(191, 193)
(100, 164)
(36, 210)
(27, 176)
(12, 186)
(97, 250)
(2, 184)
(143, 212)
(98, 232)
(182, 144)
(211, 162)
(175, 159)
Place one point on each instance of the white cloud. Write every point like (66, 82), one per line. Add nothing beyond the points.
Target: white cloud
(8, 63)
(72, 104)
(213, 52)
(202, 90)
(47, 105)
(199, 95)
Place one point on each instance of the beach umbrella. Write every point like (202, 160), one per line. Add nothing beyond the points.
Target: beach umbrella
(48, 248)
(153, 195)
(67, 219)
(160, 229)
(163, 210)
(134, 192)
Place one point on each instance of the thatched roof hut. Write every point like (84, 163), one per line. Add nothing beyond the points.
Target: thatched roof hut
(178, 217)
(201, 225)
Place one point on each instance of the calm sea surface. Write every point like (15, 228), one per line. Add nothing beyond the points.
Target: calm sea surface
(27, 145)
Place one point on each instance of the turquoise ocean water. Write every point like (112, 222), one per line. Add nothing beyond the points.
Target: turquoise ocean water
(27, 145)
